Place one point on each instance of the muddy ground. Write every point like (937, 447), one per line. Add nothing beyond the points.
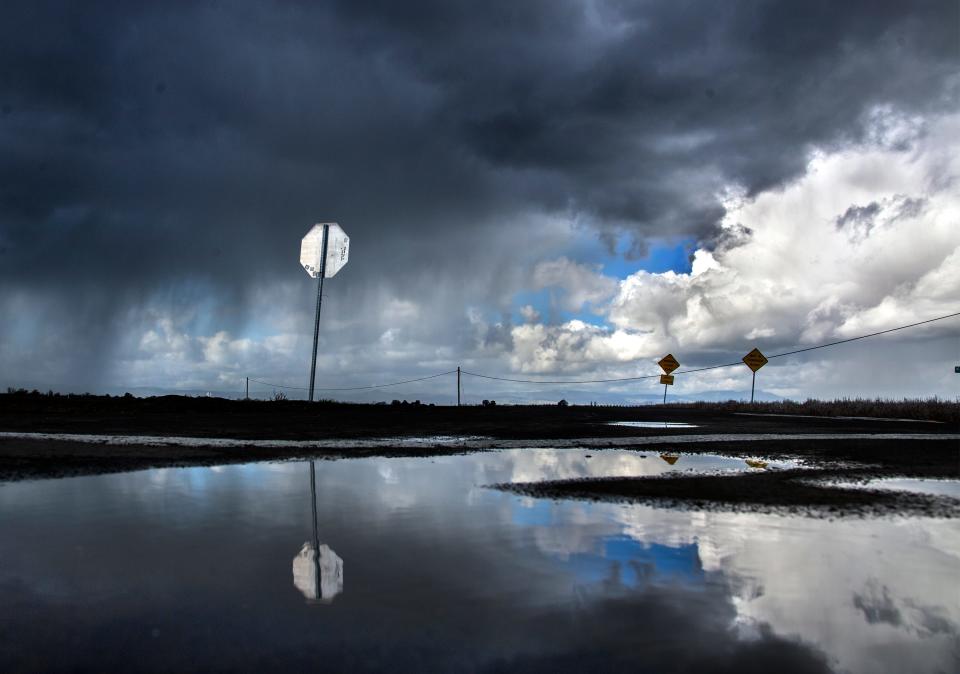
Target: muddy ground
(935, 454)
(785, 491)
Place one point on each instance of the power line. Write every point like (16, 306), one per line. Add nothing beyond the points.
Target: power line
(395, 383)
(709, 367)
(559, 381)
(612, 380)
(357, 388)
(269, 383)
(872, 334)
(712, 367)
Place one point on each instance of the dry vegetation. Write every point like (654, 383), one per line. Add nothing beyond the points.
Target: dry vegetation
(22, 401)
(928, 409)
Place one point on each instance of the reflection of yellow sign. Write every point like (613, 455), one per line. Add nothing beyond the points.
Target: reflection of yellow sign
(670, 458)
(666, 379)
(669, 363)
(756, 463)
(755, 360)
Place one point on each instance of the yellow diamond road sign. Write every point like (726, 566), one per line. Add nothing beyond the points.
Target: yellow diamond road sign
(666, 379)
(755, 360)
(669, 363)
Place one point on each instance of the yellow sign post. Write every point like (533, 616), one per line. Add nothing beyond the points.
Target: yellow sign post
(669, 364)
(754, 360)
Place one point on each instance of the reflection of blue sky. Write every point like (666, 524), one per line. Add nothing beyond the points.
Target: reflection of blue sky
(424, 534)
(634, 563)
(537, 514)
(602, 556)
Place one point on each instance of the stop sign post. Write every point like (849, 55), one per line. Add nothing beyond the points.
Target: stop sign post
(323, 252)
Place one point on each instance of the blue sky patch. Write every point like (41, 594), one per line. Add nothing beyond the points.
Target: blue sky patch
(671, 254)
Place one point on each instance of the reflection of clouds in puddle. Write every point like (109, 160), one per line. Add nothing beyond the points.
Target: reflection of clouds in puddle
(875, 595)
(874, 600)
(431, 440)
(810, 588)
(651, 424)
(400, 484)
(914, 485)
(388, 474)
(537, 465)
(888, 612)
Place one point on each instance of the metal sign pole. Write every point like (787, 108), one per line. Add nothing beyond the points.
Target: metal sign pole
(316, 322)
(458, 386)
(664, 394)
(316, 532)
(754, 360)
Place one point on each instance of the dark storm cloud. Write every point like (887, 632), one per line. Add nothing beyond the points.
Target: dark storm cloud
(148, 148)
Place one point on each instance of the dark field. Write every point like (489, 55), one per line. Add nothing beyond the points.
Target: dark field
(931, 409)
(298, 420)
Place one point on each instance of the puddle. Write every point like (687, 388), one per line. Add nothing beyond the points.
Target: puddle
(651, 424)
(538, 465)
(466, 442)
(917, 486)
(434, 440)
(840, 418)
(412, 564)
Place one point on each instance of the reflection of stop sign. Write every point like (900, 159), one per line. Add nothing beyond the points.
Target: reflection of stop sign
(309, 563)
(311, 249)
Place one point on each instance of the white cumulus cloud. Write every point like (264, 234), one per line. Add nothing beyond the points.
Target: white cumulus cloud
(867, 239)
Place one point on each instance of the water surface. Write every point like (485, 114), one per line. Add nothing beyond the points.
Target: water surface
(934, 487)
(202, 569)
(652, 424)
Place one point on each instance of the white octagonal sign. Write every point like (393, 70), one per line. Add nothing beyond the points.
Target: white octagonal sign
(311, 249)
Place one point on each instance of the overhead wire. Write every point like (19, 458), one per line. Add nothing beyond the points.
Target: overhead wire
(558, 381)
(610, 380)
(270, 383)
(357, 388)
(713, 367)
(395, 383)
(872, 334)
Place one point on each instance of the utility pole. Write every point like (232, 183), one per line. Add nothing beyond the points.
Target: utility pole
(458, 386)
(316, 322)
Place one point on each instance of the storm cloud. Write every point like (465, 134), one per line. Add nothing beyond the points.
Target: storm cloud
(160, 161)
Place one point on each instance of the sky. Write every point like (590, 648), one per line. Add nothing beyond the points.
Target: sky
(534, 190)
